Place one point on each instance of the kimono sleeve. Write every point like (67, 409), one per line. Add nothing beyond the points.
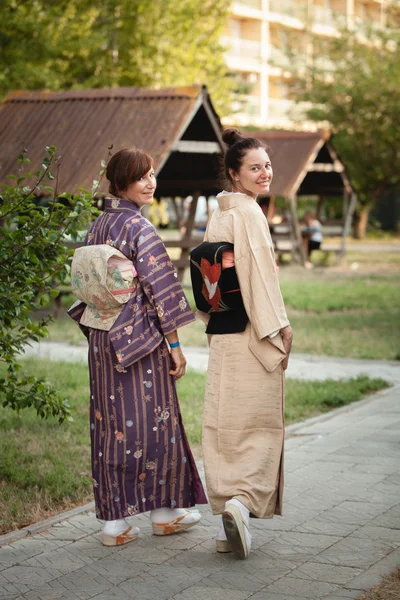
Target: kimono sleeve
(159, 280)
(258, 279)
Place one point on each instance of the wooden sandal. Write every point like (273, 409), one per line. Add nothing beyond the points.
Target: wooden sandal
(173, 526)
(119, 540)
(223, 546)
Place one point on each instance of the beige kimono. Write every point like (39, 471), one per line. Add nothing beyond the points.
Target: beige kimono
(243, 429)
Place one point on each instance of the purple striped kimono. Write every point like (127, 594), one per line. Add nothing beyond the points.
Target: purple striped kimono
(141, 458)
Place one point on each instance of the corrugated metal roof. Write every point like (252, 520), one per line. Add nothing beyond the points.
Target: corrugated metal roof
(83, 124)
(290, 153)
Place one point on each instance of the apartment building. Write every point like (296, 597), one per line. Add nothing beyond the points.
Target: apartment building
(257, 36)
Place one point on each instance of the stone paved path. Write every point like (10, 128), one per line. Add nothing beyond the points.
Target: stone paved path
(301, 366)
(340, 533)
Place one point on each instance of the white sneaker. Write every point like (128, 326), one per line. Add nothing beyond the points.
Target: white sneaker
(237, 531)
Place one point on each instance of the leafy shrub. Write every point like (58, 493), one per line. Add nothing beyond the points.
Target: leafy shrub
(36, 220)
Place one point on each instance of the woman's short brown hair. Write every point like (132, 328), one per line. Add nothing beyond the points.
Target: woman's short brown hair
(127, 166)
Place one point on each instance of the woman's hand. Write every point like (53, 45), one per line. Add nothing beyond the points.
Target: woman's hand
(178, 362)
(287, 339)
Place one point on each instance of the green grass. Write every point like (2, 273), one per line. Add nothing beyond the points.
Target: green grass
(323, 293)
(348, 315)
(333, 313)
(45, 468)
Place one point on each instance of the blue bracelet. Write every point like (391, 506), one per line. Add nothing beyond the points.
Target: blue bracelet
(175, 345)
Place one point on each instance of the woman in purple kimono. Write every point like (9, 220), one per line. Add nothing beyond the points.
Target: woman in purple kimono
(141, 460)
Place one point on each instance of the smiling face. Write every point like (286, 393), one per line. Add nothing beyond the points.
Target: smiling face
(255, 174)
(141, 192)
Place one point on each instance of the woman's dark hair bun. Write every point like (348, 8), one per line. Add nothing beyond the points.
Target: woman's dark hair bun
(231, 136)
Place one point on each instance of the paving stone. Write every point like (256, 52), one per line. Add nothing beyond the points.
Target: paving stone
(53, 591)
(390, 518)
(9, 592)
(292, 518)
(369, 460)
(382, 495)
(394, 478)
(346, 595)
(375, 532)
(118, 568)
(85, 582)
(349, 512)
(326, 573)
(24, 549)
(30, 576)
(87, 523)
(206, 593)
(60, 559)
(264, 569)
(145, 552)
(318, 504)
(368, 468)
(89, 549)
(67, 531)
(201, 560)
(321, 525)
(340, 533)
(373, 575)
(298, 547)
(148, 586)
(266, 595)
(308, 589)
(235, 580)
(113, 594)
(355, 552)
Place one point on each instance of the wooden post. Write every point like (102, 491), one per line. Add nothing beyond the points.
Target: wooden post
(296, 229)
(320, 204)
(178, 212)
(187, 235)
(271, 209)
(347, 225)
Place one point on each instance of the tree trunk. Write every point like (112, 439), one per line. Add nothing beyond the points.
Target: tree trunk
(361, 222)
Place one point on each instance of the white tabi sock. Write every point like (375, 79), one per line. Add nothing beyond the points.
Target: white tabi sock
(221, 535)
(243, 509)
(115, 528)
(167, 515)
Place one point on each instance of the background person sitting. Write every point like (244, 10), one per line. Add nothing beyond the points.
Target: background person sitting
(312, 236)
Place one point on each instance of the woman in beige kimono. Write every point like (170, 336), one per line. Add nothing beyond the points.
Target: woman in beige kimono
(243, 430)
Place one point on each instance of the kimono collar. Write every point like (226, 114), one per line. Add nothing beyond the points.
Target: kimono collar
(228, 200)
(118, 205)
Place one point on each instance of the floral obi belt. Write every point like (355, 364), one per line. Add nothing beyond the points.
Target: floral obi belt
(104, 279)
(216, 287)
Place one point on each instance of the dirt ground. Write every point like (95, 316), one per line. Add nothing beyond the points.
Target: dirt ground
(388, 589)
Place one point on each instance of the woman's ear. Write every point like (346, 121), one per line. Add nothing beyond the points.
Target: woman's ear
(233, 174)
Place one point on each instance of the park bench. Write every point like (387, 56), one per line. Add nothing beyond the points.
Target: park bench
(284, 242)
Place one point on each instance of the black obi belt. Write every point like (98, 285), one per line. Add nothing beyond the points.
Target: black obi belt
(216, 290)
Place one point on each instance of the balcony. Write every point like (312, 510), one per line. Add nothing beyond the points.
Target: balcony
(279, 109)
(363, 25)
(289, 9)
(249, 9)
(280, 59)
(282, 111)
(327, 18)
(253, 4)
(324, 63)
(242, 54)
(246, 110)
